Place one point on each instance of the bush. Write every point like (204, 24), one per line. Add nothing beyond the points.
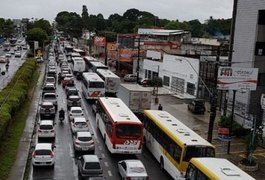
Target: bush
(237, 129)
(156, 81)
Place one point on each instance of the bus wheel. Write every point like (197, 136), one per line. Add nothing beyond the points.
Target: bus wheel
(161, 163)
(104, 138)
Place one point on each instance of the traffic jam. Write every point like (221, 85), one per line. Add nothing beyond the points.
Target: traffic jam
(67, 83)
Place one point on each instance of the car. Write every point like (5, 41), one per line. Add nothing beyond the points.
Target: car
(64, 73)
(50, 79)
(73, 101)
(39, 59)
(43, 155)
(79, 124)
(72, 90)
(52, 72)
(46, 129)
(18, 54)
(51, 97)
(197, 106)
(132, 169)
(75, 112)
(3, 59)
(83, 141)
(47, 109)
(89, 165)
(130, 78)
(8, 55)
(12, 51)
(66, 81)
(48, 88)
(144, 82)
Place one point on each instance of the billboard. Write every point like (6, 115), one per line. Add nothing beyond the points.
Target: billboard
(100, 41)
(236, 78)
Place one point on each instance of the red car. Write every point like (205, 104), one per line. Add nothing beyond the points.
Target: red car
(66, 81)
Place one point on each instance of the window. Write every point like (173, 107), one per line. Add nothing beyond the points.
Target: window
(96, 84)
(124, 130)
(166, 80)
(197, 151)
(261, 20)
(261, 79)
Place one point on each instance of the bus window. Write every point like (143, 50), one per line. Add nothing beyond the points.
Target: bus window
(198, 151)
(128, 130)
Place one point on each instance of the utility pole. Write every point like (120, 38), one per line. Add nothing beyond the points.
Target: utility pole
(106, 55)
(138, 60)
(213, 100)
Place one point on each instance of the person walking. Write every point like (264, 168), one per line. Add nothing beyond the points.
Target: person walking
(160, 107)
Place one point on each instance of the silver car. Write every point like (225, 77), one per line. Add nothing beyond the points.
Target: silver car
(83, 141)
(79, 124)
(133, 169)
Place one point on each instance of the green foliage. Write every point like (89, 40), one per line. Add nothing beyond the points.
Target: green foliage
(36, 34)
(6, 28)
(237, 129)
(155, 82)
(42, 24)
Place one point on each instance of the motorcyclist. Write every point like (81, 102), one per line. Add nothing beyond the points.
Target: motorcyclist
(61, 113)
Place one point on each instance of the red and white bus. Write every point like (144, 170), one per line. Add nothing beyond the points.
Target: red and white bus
(121, 130)
(93, 86)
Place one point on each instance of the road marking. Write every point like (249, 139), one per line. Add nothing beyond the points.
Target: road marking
(109, 172)
(71, 150)
(102, 155)
(106, 164)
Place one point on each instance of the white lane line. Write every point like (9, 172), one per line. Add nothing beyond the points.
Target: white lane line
(71, 150)
(102, 155)
(109, 172)
(106, 164)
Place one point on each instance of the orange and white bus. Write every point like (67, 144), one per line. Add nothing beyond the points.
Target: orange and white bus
(121, 130)
(93, 86)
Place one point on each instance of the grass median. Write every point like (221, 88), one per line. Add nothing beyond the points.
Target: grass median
(10, 143)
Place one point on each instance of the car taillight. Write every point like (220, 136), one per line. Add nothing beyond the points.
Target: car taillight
(114, 146)
(33, 154)
(77, 142)
(52, 130)
(147, 178)
(128, 178)
(39, 130)
(51, 154)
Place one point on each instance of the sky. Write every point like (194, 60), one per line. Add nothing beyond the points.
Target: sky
(183, 10)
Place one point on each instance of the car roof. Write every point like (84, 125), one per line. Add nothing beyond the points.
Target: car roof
(48, 122)
(79, 119)
(90, 158)
(76, 108)
(83, 134)
(133, 163)
(74, 97)
(47, 103)
(43, 146)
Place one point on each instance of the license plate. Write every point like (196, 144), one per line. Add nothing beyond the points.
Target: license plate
(84, 148)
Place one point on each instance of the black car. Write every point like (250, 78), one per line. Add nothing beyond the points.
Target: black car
(197, 106)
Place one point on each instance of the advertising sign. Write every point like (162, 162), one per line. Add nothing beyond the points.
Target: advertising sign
(99, 41)
(236, 78)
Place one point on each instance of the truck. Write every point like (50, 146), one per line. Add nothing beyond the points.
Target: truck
(136, 97)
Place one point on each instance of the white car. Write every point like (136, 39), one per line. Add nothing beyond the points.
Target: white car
(18, 54)
(83, 141)
(43, 155)
(79, 124)
(8, 55)
(133, 169)
(75, 112)
(46, 129)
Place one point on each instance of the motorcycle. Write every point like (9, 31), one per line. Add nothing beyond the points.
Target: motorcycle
(61, 117)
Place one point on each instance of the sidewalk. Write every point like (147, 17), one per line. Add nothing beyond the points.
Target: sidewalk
(19, 166)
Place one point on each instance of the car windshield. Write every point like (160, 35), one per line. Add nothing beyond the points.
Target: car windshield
(125, 130)
(76, 111)
(92, 165)
(84, 138)
(46, 127)
(50, 96)
(80, 124)
(42, 152)
(47, 106)
(136, 170)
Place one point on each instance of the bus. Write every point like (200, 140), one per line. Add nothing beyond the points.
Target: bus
(95, 65)
(73, 55)
(78, 66)
(89, 59)
(214, 168)
(121, 130)
(80, 51)
(93, 86)
(172, 143)
(112, 81)
(68, 49)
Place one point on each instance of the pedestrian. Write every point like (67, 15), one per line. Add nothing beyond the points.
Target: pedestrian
(160, 107)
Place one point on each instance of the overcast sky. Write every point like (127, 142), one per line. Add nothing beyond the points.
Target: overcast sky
(168, 9)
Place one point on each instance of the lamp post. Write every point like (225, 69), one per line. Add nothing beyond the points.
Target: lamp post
(138, 59)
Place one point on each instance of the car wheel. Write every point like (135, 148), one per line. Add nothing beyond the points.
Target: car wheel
(161, 163)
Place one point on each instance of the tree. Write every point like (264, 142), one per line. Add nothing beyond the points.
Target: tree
(85, 17)
(8, 28)
(41, 23)
(196, 28)
(36, 34)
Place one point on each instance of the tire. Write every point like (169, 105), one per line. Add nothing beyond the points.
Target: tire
(162, 163)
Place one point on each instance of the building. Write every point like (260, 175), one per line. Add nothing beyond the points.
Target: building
(179, 74)
(249, 52)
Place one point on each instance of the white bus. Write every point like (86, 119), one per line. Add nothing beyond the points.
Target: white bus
(95, 65)
(215, 168)
(89, 59)
(121, 130)
(93, 86)
(78, 66)
(73, 55)
(172, 143)
(112, 81)
(80, 51)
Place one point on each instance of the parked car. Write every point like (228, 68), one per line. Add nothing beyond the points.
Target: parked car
(83, 141)
(73, 101)
(89, 166)
(130, 78)
(43, 155)
(47, 109)
(51, 97)
(79, 124)
(132, 169)
(46, 129)
(197, 106)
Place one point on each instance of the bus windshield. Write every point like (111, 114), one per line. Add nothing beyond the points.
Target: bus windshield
(128, 130)
(96, 85)
(198, 151)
